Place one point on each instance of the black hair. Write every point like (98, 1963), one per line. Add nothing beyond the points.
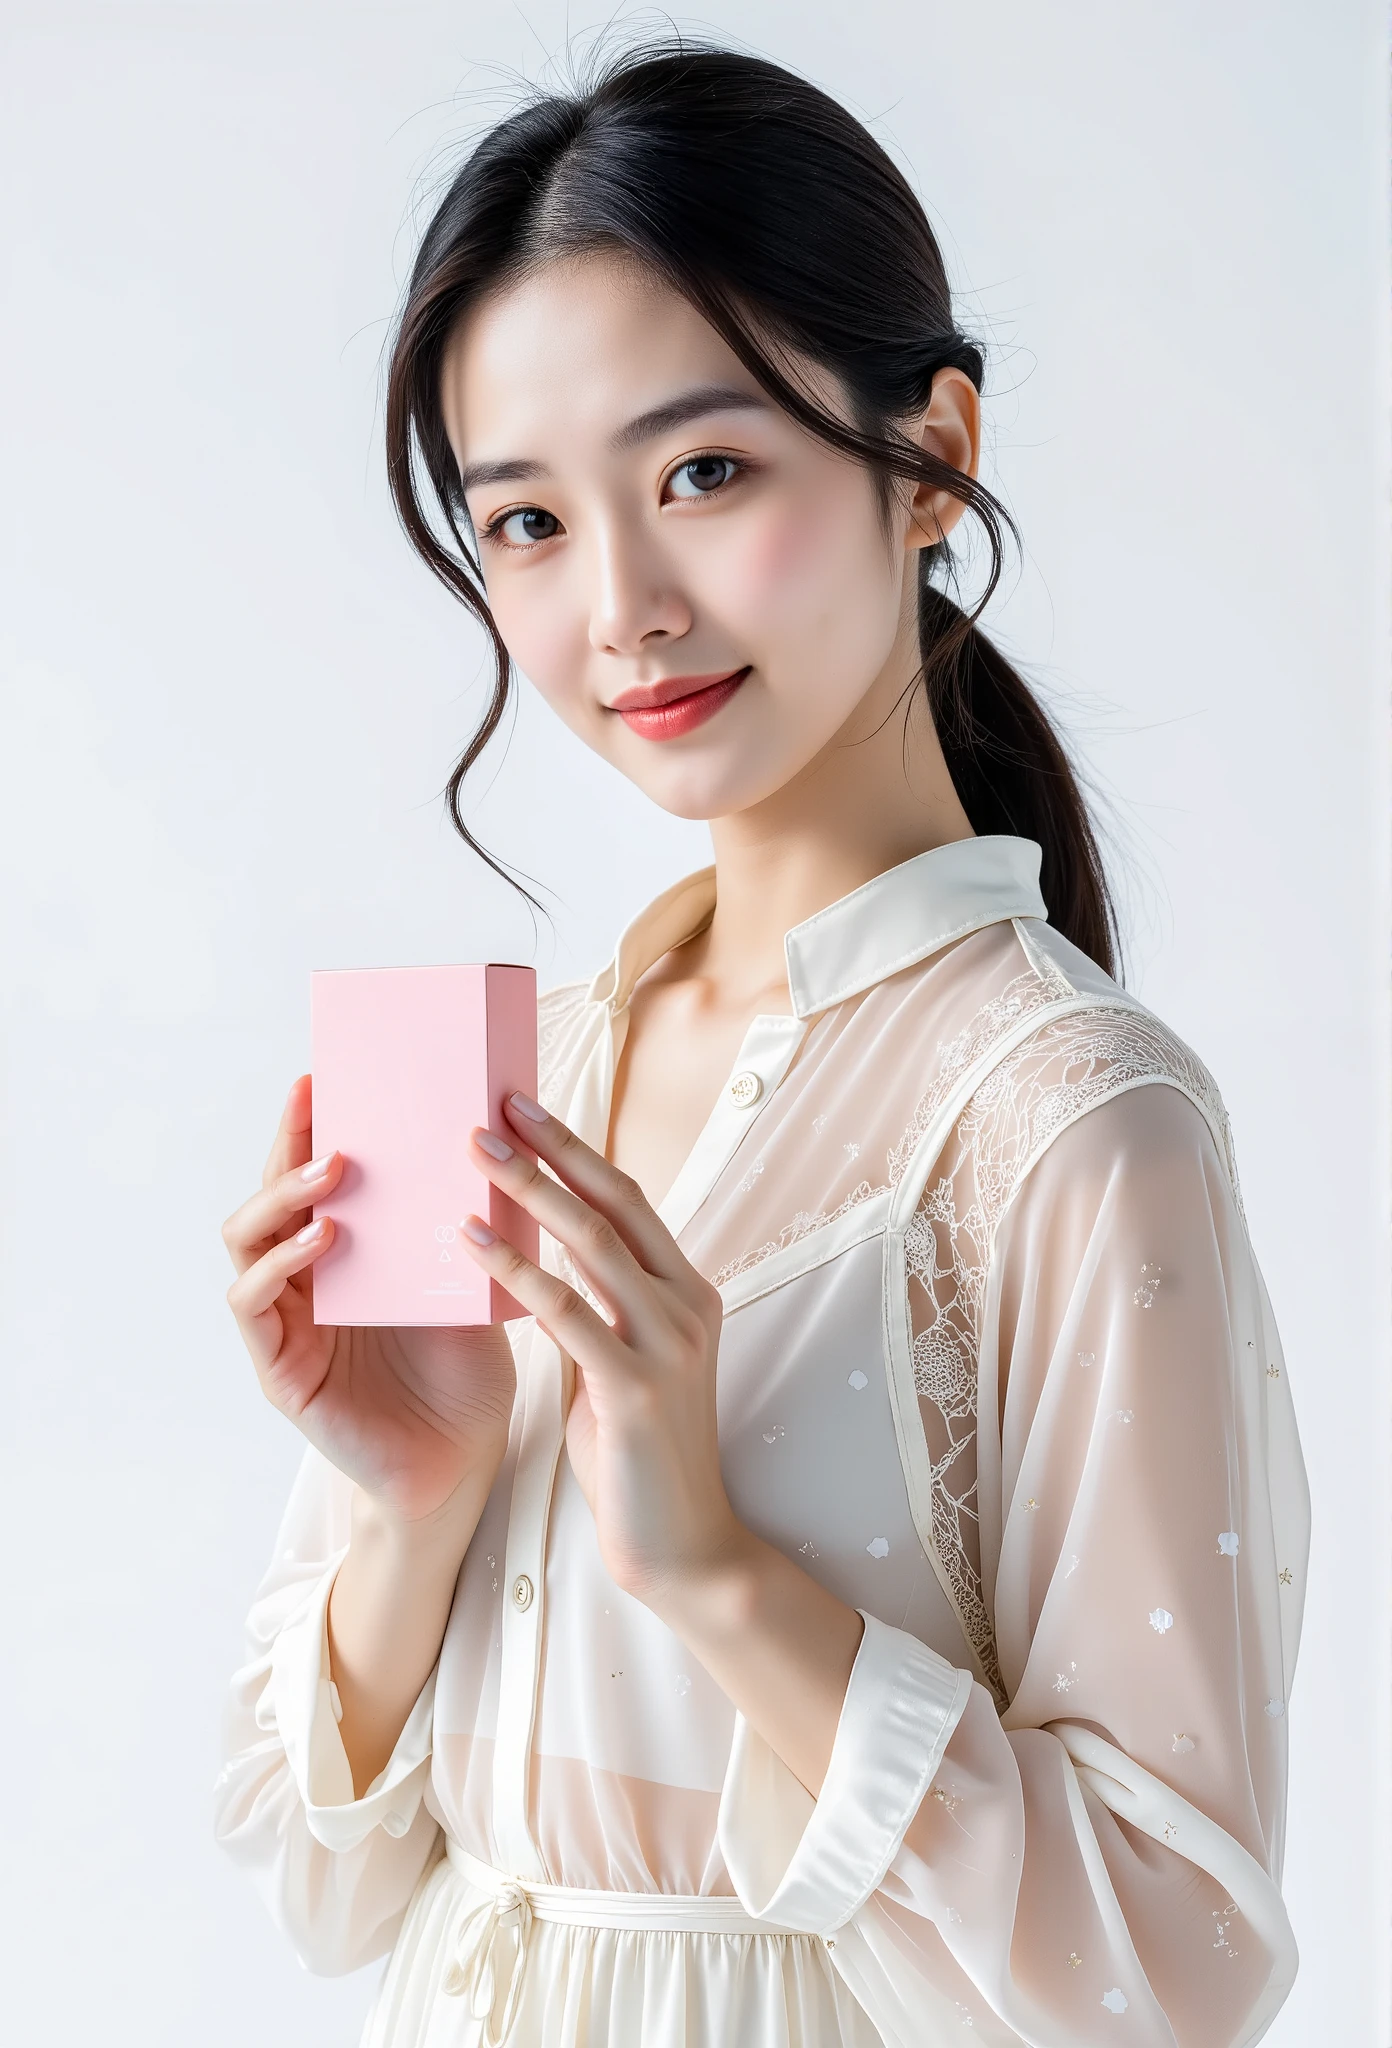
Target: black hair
(779, 216)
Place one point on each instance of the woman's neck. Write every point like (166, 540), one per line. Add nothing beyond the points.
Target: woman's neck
(876, 795)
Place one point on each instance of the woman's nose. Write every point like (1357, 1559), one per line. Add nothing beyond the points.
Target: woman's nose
(635, 596)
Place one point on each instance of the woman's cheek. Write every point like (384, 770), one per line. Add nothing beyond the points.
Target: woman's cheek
(777, 565)
(548, 647)
(796, 578)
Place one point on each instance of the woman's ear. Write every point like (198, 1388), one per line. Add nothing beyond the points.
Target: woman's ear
(949, 428)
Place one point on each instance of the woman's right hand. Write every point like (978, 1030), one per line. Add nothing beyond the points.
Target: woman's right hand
(411, 1415)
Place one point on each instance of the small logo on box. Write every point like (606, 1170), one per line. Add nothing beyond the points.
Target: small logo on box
(445, 1235)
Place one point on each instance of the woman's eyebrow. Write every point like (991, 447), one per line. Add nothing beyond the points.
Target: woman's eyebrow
(687, 405)
(645, 426)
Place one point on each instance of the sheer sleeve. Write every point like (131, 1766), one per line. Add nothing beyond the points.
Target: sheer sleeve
(1082, 1842)
(335, 1872)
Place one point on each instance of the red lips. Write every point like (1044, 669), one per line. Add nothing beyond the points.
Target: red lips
(663, 711)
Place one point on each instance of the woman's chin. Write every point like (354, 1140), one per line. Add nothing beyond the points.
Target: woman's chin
(715, 789)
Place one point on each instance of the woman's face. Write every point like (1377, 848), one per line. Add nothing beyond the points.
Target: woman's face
(649, 523)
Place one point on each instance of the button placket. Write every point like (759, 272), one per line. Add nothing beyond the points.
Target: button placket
(543, 1433)
(769, 1045)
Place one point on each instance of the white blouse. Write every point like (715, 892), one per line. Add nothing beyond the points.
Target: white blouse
(998, 1368)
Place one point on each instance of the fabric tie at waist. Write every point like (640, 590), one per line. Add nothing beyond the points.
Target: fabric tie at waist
(491, 1933)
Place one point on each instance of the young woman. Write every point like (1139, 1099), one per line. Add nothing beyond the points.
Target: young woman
(859, 1601)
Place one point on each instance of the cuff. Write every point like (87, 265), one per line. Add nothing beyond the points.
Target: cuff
(809, 1864)
(306, 1709)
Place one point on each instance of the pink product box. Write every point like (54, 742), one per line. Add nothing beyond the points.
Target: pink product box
(405, 1060)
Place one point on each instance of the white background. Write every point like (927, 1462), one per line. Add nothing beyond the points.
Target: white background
(232, 697)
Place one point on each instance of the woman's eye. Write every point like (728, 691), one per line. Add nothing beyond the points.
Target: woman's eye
(529, 524)
(705, 473)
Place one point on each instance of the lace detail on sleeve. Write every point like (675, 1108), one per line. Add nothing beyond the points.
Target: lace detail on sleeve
(946, 1258)
(1055, 1076)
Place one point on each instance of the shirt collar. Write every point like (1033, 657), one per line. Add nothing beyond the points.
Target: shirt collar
(896, 918)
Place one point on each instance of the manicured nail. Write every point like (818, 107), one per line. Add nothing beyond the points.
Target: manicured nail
(479, 1232)
(494, 1147)
(316, 1168)
(314, 1229)
(527, 1107)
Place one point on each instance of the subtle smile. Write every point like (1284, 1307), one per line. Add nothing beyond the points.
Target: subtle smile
(663, 711)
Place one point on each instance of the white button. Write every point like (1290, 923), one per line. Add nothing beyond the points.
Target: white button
(396, 1823)
(745, 1090)
(522, 1592)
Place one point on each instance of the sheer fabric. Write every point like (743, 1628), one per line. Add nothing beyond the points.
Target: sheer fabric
(998, 1368)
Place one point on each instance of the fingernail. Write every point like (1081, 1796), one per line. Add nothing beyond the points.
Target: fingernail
(310, 1230)
(316, 1168)
(527, 1107)
(479, 1232)
(494, 1147)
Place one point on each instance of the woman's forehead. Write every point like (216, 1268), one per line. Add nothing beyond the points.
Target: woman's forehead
(575, 347)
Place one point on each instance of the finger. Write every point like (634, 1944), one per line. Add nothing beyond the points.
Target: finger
(278, 1210)
(291, 1144)
(606, 1262)
(560, 1311)
(616, 1195)
(254, 1295)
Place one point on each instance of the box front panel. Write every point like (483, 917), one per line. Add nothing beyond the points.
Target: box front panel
(400, 1075)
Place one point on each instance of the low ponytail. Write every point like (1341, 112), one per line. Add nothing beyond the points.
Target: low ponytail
(792, 231)
(1010, 770)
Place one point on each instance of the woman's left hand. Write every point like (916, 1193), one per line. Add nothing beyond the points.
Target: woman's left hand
(641, 1433)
